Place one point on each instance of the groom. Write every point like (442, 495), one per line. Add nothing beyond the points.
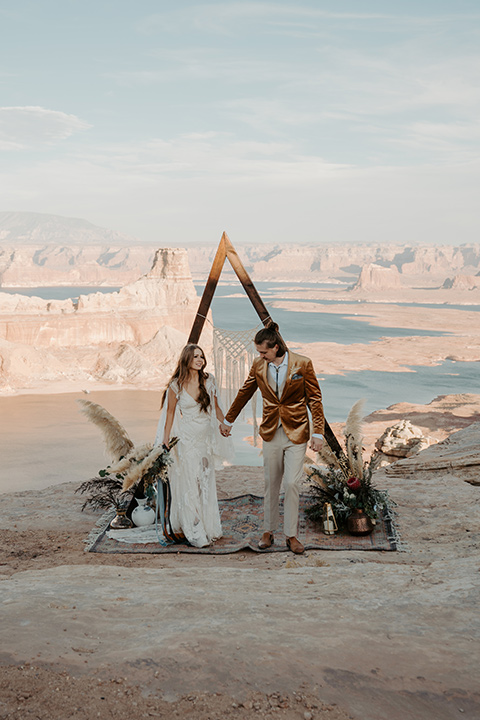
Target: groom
(288, 385)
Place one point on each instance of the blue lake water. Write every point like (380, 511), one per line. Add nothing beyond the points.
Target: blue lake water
(57, 292)
(237, 313)
(382, 389)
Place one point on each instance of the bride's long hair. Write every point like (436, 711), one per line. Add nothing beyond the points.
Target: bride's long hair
(182, 372)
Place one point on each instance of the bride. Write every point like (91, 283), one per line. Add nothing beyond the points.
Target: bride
(191, 411)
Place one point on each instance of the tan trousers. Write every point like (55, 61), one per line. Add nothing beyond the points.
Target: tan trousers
(282, 459)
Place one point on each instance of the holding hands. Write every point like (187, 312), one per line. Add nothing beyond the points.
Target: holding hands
(225, 430)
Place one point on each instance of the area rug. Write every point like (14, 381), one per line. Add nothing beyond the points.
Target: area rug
(242, 524)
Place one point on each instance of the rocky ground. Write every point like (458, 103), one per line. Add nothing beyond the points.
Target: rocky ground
(362, 635)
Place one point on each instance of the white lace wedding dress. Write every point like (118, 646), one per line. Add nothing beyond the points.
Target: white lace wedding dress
(194, 507)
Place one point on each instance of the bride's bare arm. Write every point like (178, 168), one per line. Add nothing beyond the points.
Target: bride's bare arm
(172, 404)
(218, 411)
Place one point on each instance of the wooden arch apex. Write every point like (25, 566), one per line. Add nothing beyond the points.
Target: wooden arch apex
(226, 251)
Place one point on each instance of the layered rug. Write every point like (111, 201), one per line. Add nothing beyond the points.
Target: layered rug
(242, 524)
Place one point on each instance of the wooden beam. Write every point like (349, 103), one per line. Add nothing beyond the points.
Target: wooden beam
(208, 293)
(248, 285)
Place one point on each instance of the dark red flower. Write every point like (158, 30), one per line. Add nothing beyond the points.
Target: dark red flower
(354, 484)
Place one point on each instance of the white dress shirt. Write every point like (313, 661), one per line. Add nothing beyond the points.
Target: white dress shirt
(277, 374)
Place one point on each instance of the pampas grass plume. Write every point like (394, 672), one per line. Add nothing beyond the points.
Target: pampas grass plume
(327, 456)
(137, 454)
(117, 442)
(354, 438)
(137, 471)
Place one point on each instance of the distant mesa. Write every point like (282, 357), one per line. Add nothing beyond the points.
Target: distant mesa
(47, 250)
(376, 277)
(462, 282)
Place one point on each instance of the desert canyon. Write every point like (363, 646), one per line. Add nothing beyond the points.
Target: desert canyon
(131, 336)
(376, 635)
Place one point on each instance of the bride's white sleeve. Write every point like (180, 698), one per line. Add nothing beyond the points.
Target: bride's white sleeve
(223, 448)
(163, 417)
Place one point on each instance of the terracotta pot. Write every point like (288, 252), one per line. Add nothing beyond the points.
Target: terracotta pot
(358, 523)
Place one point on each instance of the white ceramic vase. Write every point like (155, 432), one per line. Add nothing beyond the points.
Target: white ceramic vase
(143, 514)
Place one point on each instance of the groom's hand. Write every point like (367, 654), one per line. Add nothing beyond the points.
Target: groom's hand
(225, 430)
(316, 443)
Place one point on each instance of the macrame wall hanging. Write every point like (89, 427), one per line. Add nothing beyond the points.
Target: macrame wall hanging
(233, 355)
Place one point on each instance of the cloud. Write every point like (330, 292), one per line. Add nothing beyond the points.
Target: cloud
(171, 66)
(224, 18)
(31, 126)
(215, 157)
(346, 82)
(194, 186)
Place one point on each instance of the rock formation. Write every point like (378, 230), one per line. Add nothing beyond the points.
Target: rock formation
(135, 333)
(462, 282)
(400, 441)
(376, 277)
(458, 453)
(45, 250)
(50, 265)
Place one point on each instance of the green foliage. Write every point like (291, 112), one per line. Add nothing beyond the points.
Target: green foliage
(328, 485)
(106, 490)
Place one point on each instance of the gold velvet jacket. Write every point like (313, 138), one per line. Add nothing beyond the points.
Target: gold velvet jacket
(301, 390)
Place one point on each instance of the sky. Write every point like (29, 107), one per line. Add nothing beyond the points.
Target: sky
(297, 121)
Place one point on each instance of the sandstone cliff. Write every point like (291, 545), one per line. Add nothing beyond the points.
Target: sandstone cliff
(45, 250)
(462, 282)
(108, 265)
(52, 265)
(376, 277)
(134, 333)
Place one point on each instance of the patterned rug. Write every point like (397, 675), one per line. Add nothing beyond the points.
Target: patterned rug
(242, 523)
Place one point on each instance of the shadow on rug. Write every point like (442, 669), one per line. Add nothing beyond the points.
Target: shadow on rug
(242, 523)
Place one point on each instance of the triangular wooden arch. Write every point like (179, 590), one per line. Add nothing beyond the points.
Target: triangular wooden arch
(226, 250)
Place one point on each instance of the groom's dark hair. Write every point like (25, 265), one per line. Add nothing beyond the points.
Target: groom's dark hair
(272, 337)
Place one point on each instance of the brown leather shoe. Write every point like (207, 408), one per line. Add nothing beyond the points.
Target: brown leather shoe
(266, 541)
(295, 546)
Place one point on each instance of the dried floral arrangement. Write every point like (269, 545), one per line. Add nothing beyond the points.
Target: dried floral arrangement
(132, 467)
(346, 489)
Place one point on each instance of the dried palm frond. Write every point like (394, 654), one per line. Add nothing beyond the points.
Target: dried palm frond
(354, 438)
(136, 455)
(117, 442)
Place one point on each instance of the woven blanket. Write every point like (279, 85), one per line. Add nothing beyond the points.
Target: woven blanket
(242, 524)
